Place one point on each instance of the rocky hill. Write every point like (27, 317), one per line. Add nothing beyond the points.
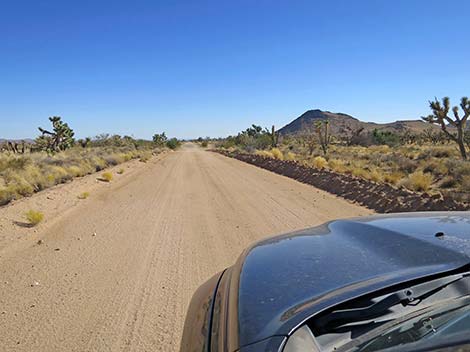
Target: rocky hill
(342, 123)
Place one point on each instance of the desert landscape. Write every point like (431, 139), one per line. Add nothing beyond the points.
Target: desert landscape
(104, 240)
(144, 146)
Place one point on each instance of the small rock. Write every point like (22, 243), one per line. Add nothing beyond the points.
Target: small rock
(35, 283)
(94, 234)
(57, 249)
(39, 242)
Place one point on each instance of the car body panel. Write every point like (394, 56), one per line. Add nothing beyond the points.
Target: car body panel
(286, 279)
(279, 283)
(197, 325)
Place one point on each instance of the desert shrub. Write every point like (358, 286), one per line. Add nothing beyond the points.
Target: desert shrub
(360, 172)
(465, 183)
(34, 217)
(436, 167)
(375, 176)
(20, 186)
(319, 162)
(441, 153)
(264, 154)
(83, 195)
(173, 143)
(97, 163)
(406, 165)
(418, 181)
(277, 154)
(386, 137)
(393, 178)
(16, 163)
(144, 157)
(107, 176)
(461, 169)
(114, 159)
(290, 156)
(75, 171)
(204, 144)
(448, 182)
(120, 171)
(337, 165)
(6, 195)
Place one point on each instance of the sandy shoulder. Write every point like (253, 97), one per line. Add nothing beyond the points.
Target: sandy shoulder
(57, 201)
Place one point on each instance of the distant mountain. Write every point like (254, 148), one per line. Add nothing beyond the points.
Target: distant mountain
(26, 140)
(342, 123)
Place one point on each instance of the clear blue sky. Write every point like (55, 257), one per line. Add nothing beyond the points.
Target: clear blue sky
(194, 68)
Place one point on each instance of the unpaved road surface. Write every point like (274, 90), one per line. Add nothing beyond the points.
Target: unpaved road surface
(159, 235)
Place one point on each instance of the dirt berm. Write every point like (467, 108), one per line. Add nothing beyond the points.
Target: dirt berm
(383, 198)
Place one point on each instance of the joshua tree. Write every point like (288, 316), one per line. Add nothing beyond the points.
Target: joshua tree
(160, 139)
(85, 142)
(352, 136)
(274, 137)
(323, 132)
(60, 138)
(440, 116)
(311, 142)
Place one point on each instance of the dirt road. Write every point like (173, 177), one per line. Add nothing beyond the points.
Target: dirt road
(159, 235)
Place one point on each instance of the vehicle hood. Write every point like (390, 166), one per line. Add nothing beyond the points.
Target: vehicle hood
(286, 279)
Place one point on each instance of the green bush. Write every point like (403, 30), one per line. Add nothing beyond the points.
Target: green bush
(173, 143)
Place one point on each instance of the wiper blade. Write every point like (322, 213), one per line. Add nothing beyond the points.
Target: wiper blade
(408, 296)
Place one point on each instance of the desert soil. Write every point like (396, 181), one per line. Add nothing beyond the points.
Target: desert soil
(116, 271)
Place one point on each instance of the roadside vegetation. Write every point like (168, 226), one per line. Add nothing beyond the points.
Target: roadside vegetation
(55, 157)
(433, 160)
(83, 195)
(34, 217)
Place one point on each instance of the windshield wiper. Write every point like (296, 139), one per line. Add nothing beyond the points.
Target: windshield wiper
(408, 296)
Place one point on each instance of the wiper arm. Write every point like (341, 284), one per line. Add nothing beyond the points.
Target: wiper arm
(409, 296)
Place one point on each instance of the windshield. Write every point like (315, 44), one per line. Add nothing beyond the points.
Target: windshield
(435, 325)
(422, 311)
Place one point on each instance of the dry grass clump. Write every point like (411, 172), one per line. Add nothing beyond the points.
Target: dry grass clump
(290, 156)
(6, 195)
(34, 217)
(360, 172)
(120, 171)
(83, 195)
(106, 177)
(337, 165)
(393, 177)
(418, 181)
(144, 157)
(319, 162)
(436, 166)
(465, 183)
(264, 154)
(375, 176)
(277, 154)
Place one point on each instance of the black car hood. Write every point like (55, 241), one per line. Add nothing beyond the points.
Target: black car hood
(286, 279)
